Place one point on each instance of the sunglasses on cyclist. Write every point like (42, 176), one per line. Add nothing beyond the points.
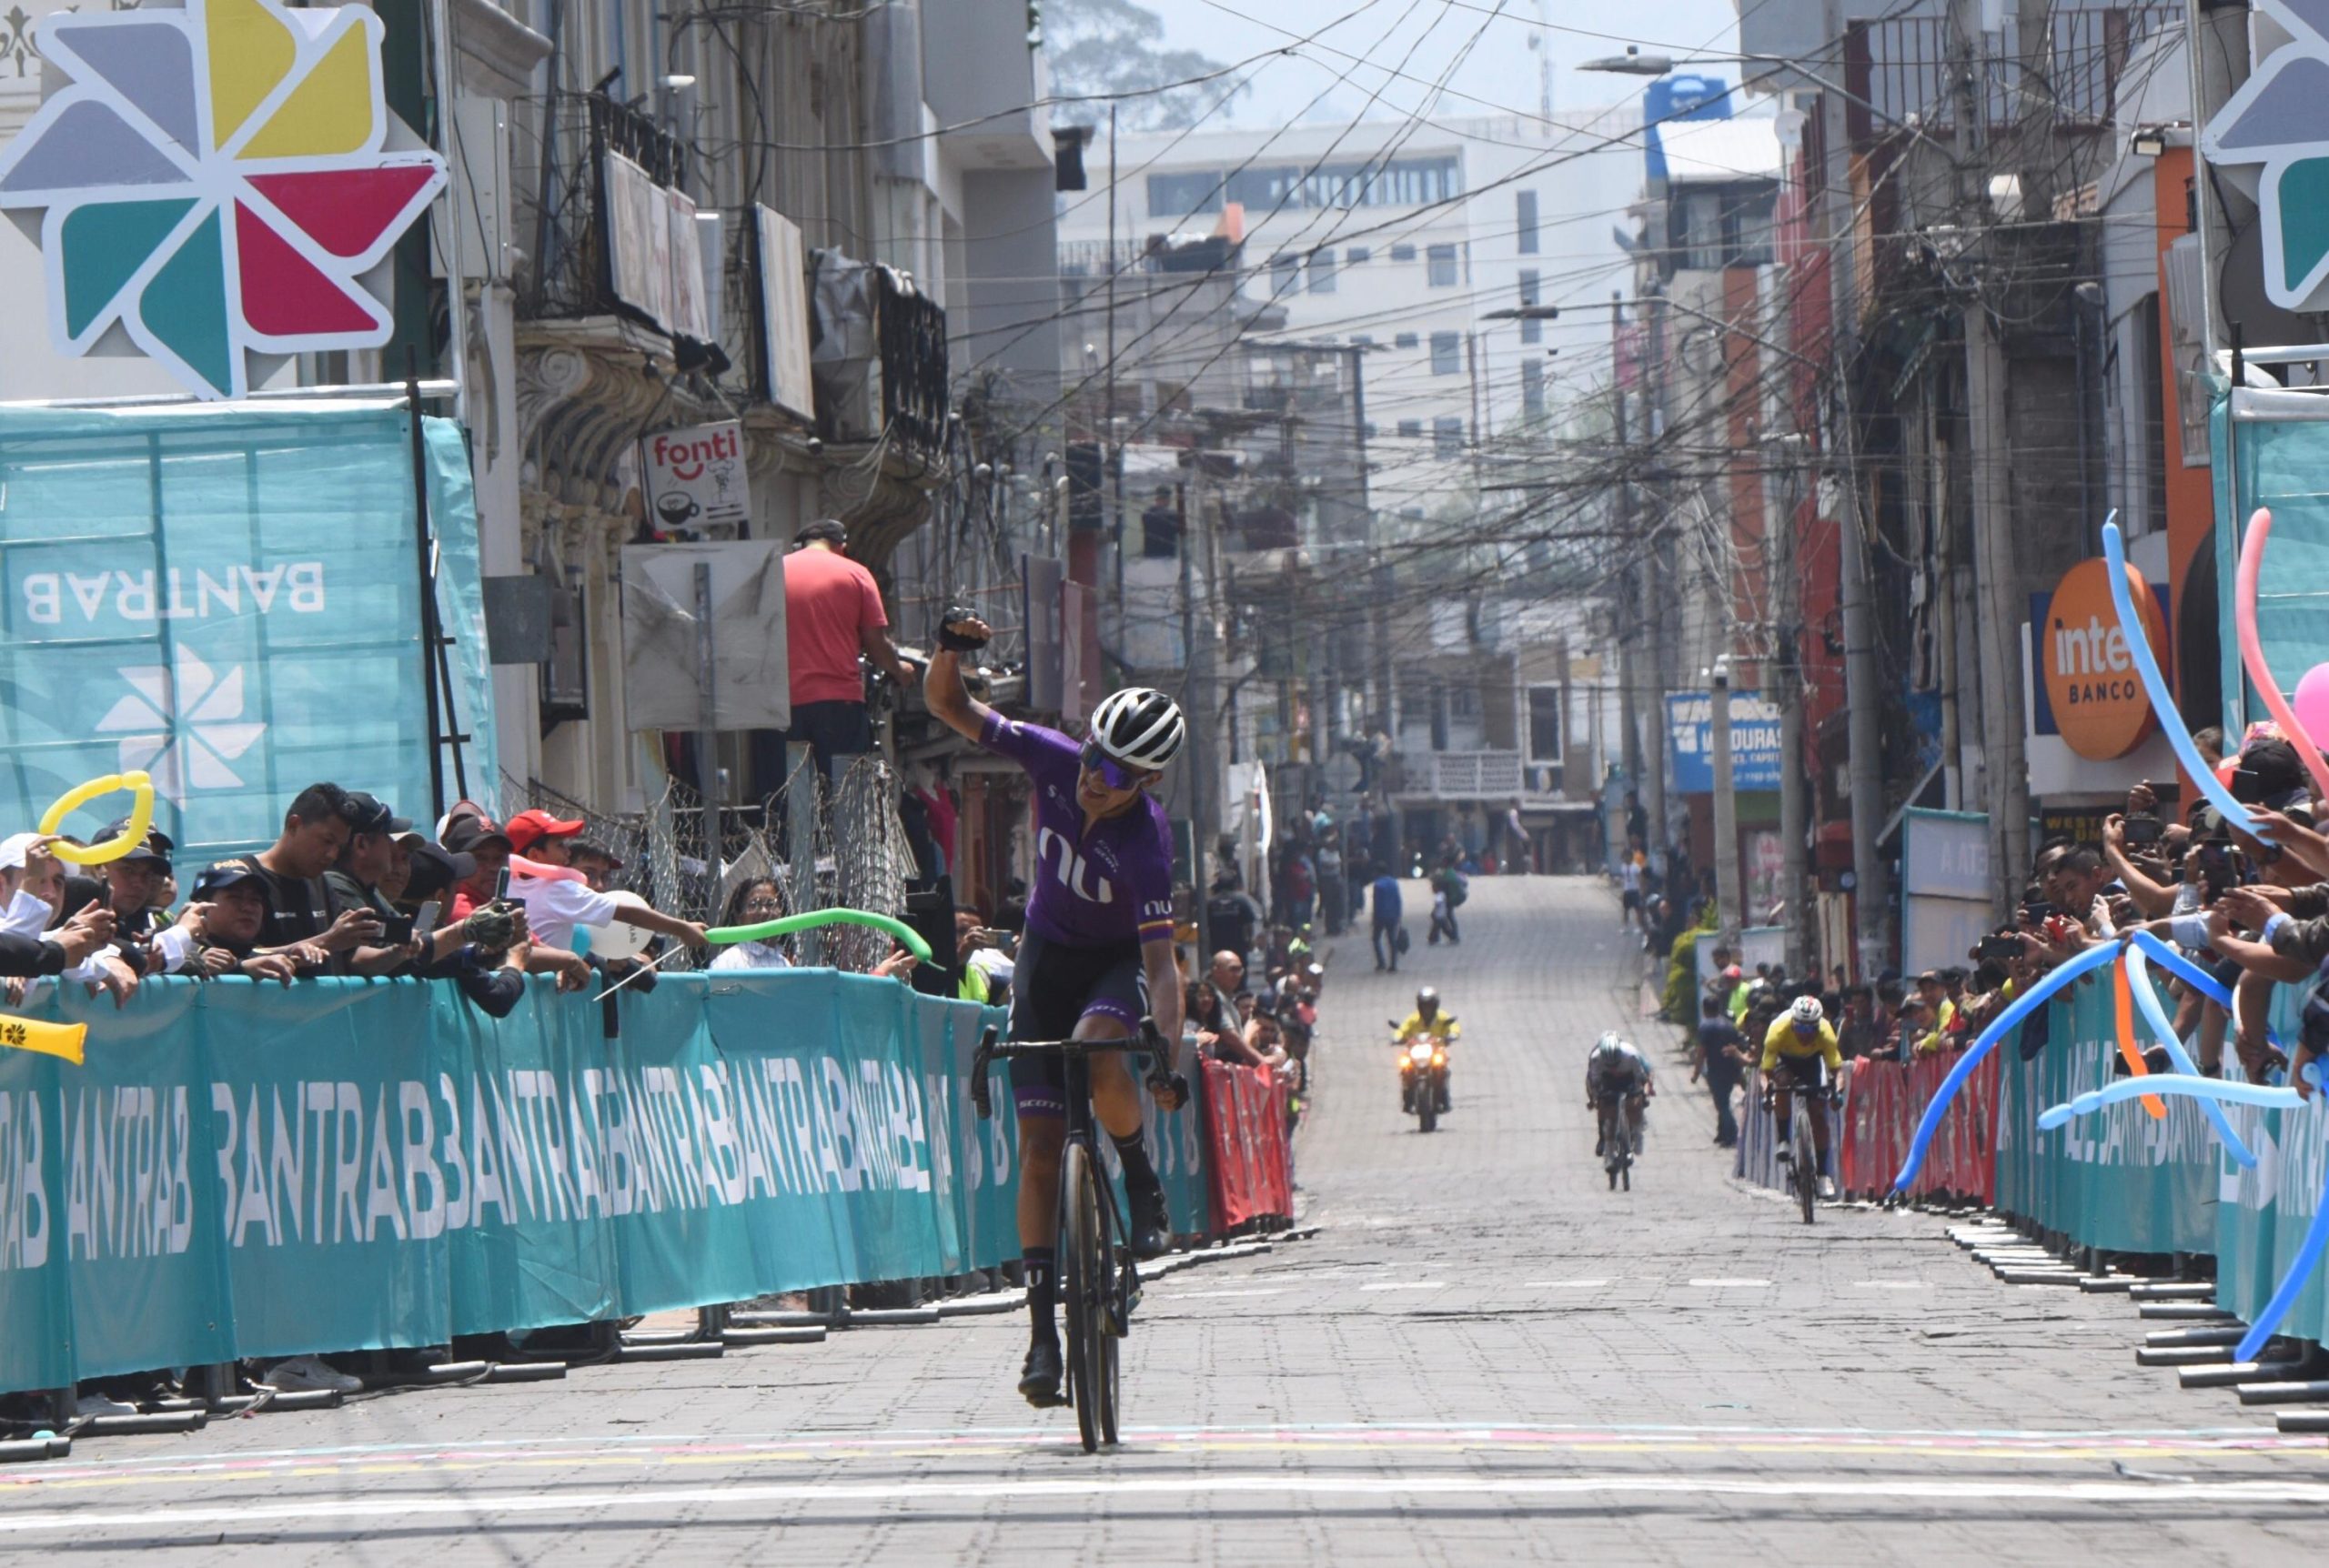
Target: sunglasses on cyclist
(1113, 773)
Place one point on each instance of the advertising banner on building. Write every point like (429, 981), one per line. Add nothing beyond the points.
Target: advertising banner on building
(228, 599)
(1755, 751)
(694, 477)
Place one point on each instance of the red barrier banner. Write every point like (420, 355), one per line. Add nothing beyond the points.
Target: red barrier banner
(1883, 1103)
(1246, 1137)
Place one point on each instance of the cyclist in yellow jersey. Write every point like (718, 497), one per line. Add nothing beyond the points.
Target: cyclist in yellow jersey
(1799, 1053)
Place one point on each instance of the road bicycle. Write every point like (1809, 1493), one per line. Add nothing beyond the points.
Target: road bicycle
(1099, 1282)
(1617, 1143)
(1802, 1152)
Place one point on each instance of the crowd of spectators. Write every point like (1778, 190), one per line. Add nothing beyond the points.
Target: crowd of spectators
(350, 889)
(2251, 909)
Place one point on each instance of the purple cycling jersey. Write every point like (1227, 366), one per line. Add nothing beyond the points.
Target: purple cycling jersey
(1114, 884)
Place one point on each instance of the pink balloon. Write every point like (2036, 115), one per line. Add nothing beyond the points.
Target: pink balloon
(2311, 703)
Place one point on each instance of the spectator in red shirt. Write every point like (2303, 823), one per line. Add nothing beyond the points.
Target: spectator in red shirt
(832, 615)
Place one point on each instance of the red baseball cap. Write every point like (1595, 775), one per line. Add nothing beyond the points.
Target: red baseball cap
(531, 827)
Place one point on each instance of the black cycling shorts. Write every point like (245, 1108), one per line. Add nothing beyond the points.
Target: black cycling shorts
(1802, 1072)
(1053, 987)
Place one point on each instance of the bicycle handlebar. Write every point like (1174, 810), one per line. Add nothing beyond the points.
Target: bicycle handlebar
(1149, 1043)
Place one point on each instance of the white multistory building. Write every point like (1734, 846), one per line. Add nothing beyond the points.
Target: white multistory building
(1405, 236)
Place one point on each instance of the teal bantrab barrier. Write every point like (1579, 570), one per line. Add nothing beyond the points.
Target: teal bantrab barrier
(250, 1171)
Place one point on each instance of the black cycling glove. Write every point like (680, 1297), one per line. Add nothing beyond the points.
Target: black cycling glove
(953, 642)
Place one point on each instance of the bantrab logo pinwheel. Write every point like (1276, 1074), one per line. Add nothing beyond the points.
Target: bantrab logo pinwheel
(216, 181)
(2280, 118)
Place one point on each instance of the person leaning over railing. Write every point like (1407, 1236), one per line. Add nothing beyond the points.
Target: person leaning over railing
(30, 947)
(32, 881)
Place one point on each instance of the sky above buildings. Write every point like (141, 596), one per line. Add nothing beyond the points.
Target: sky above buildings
(1481, 50)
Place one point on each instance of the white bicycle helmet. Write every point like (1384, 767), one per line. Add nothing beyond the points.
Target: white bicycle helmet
(1139, 727)
(1804, 1013)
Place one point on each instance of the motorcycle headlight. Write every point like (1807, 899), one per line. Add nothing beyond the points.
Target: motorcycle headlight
(1419, 1054)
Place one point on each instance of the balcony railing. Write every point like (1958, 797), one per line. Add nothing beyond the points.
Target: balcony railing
(1898, 71)
(1464, 775)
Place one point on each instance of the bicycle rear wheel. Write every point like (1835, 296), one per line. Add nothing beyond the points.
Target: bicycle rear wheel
(1082, 1277)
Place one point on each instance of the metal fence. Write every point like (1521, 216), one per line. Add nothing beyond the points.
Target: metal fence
(824, 844)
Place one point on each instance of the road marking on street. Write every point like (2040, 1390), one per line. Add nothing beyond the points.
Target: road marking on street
(1562, 1284)
(1407, 1285)
(315, 1512)
(742, 1453)
(1730, 1284)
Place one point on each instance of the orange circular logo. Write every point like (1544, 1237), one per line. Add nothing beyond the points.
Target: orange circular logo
(2099, 701)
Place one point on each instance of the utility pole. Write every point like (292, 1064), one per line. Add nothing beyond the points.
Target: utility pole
(1726, 803)
(1863, 695)
(1784, 680)
(1996, 584)
(1196, 702)
(1114, 448)
(1627, 620)
(1655, 605)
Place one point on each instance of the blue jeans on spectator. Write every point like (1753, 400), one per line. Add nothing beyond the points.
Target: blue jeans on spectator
(1720, 1082)
(1386, 945)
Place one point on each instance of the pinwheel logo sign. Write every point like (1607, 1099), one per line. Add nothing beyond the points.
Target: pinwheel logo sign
(2280, 118)
(216, 182)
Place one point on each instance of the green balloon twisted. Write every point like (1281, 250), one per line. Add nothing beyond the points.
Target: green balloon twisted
(908, 938)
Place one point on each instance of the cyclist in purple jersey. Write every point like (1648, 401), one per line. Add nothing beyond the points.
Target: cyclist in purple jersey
(1109, 882)
(1097, 956)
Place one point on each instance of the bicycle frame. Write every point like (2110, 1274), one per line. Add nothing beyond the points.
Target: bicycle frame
(1097, 1284)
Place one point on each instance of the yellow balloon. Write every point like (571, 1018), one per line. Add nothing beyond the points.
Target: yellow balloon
(141, 817)
(62, 1040)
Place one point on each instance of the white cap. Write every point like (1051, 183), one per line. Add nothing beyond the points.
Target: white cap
(16, 849)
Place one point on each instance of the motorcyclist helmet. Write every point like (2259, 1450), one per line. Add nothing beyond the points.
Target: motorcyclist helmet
(1427, 999)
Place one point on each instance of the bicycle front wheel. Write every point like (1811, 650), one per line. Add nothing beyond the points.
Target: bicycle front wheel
(1084, 1277)
(1807, 1162)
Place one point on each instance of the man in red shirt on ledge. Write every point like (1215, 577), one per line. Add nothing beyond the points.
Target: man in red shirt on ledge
(833, 614)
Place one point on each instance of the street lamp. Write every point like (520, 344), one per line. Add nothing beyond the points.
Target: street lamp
(1633, 63)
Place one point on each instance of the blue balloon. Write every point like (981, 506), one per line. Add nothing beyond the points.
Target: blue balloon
(2147, 999)
(2092, 959)
(2162, 699)
(2192, 975)
(2209, 1090)
(2308, 1258)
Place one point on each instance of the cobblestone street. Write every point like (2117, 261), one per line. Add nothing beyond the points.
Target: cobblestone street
(1482, 1356)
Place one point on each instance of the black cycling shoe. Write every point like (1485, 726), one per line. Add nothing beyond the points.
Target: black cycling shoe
(1039, 1377)
(1151, 1226)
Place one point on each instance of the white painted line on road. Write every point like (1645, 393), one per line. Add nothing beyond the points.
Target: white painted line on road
(1407, 1285)
(1216, 1295)
(1730, 1284)
(313, 1513)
